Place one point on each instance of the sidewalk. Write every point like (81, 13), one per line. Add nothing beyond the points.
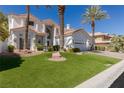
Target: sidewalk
(105, 78)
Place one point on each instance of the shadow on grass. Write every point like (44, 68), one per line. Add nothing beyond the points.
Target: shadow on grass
(9, 61)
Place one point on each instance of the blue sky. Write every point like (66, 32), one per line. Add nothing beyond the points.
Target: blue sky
(73, 16)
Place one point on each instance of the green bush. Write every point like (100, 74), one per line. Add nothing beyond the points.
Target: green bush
(11, 48)
(56, 48)
(50, 48)
(39, 47)
(96, 47)
(65, 50)
(112, 49)
(70, 50)
(76, 49)
(122, 50)
(73, 50)
(101, 48)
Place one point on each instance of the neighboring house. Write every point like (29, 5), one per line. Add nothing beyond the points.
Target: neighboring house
(76, 39)
(44, 32)
(102, 39)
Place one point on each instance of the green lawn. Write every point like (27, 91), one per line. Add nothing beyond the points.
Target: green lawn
(37, 71)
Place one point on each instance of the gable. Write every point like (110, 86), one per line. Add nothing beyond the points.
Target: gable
(81, 36)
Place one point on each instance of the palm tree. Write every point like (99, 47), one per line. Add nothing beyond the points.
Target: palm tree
(27, 24)
(92, 14)
(61, 11)
(27, 27)
(3, 27)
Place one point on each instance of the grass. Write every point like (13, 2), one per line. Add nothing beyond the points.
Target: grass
(37, 71)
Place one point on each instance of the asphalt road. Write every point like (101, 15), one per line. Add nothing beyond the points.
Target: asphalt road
(119, 82)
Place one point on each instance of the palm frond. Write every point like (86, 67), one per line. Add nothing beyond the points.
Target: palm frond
(96, 12)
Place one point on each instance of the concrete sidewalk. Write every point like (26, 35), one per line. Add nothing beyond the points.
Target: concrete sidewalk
(105, 78)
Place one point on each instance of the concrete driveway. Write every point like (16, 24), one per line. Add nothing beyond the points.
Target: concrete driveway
(110, 54)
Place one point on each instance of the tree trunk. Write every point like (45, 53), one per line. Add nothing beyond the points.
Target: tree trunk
(93, 31)
(61, 32)
(27, 27)
(61, 9)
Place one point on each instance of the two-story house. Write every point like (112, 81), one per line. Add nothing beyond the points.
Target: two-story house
(41, 32)
(102, 39)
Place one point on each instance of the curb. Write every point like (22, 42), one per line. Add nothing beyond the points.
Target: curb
(105, 78)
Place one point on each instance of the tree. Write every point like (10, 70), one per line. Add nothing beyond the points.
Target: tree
(92, 14)
(27, 24)
(117, 43)
(61, 11)
(27, 27)
(3, 27)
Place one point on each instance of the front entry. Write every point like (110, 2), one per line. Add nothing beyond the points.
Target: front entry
(29, 44)
(21, 43)
(48, 44)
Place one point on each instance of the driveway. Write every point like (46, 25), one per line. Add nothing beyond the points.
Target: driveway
(110, 54)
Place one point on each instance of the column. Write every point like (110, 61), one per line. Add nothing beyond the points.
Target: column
(37, 27)
(12, 24)
(32, 43)
(45, 42)
(22, 22)
(43, 30)
(54, 34)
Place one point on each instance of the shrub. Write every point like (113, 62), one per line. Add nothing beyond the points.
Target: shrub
(65, 50)
(73, 50)
(50, 48)
(121, 50)
(11, 48)
(56, 48)
(39, 47)
(70, 50)
(112, 49)
(96, 47)
(102, 48)
(76, 49)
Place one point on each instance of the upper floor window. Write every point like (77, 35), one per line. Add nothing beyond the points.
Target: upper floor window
(34, 26)
(20, 34)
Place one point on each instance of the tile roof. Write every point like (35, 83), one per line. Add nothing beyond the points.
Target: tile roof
(37, 32)
(33, 18)
(48, 22)
(97, 34)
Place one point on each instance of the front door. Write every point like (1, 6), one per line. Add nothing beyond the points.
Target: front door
(48, 43)
(29, 44)
(21, 43)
